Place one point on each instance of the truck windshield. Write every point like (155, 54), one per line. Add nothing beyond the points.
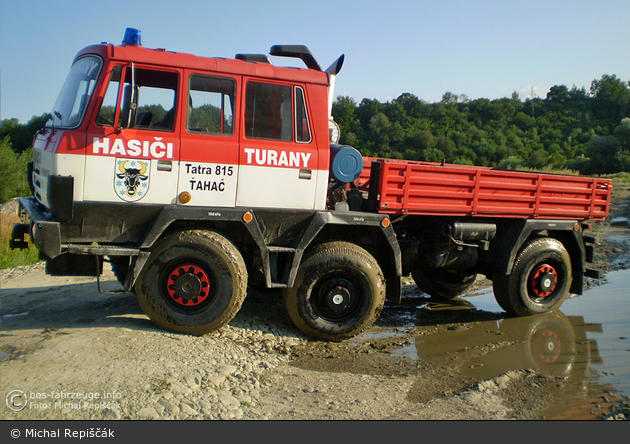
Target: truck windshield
(76, 93)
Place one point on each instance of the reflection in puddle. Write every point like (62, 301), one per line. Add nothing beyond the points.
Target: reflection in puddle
(609, 306)
(552, 344)
(586, 345)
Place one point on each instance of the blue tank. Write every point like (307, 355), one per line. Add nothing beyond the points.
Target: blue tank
(346, 163)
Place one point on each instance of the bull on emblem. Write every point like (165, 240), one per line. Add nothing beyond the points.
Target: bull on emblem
(131, 179)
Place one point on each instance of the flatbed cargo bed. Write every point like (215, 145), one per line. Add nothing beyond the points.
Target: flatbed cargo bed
(426, 188)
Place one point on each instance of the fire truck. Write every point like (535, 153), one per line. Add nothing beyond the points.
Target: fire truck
(198, 177)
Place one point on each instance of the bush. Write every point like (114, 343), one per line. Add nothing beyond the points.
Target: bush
(13, 258)
(13, 183)
(14, 167)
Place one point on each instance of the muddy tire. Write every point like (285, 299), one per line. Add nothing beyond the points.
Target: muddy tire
(339, 291)
(443, 284)
(540, 279)
(194, 282)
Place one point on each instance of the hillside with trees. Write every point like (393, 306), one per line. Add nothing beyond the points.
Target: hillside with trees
(571, 128)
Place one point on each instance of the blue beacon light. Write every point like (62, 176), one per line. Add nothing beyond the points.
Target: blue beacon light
(132, 37)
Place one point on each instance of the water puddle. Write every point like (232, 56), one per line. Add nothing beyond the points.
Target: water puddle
(585, 345)
(553, 344)
(600, 318)
(608, 306)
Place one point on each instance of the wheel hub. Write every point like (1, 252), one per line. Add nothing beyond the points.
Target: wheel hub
(188, 285)
(543, 281)
(336, 296)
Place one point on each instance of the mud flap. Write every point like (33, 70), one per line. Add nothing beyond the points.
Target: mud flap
(74, 265)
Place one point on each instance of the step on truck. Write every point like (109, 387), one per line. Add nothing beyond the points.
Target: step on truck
(198, 177)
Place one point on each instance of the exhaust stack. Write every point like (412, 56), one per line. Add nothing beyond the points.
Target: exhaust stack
(332, 72)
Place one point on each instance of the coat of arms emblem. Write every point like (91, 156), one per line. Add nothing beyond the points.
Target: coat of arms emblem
(131, 179)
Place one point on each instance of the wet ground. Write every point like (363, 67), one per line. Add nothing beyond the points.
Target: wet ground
(587, 342)
(580, 355)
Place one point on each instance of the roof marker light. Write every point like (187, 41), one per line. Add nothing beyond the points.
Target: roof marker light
(132, 37)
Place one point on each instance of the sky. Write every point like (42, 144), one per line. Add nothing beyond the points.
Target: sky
(480, 48)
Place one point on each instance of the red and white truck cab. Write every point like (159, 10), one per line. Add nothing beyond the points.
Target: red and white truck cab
(146, 125)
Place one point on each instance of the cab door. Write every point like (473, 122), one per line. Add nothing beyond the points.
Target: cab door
(209, 147)
(133, 144)
(278, 159)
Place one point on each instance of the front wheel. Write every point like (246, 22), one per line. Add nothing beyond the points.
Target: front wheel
(540, 279)
(339, 291)
(194, 282)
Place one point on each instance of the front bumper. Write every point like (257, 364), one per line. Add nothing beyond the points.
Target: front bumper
(39, 223)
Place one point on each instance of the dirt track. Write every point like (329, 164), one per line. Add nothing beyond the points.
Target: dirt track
(60, 338)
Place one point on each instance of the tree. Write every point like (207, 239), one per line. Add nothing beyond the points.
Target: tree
(446, 145)
(413, 106)
(448, 98)
(612, 97)
(623, 133)
(367, 109)
(538, 159)
(21, 136)
(420, 140)
(343, 111)
(603, 152)
(558, 93)
(432, 155)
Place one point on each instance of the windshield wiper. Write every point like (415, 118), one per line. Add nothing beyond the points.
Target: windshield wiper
(50, 117)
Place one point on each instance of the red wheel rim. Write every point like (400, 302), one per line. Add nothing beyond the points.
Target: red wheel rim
(543, 281)
(188, 285)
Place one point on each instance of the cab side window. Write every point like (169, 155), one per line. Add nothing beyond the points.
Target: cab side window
(276, 112)
(145, 100)
(210, 105)
(268, 111)
(302, 127)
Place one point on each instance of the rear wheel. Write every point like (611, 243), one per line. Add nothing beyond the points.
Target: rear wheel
(194, 282)
(338, 292)
(540, 279)
(445, 284)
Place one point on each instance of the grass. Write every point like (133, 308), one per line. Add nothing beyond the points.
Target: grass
(621, 177)
(206, 384)
(14, 258)
(161, 386)
(264, 378)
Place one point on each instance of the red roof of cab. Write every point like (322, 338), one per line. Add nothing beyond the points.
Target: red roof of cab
(161, 57)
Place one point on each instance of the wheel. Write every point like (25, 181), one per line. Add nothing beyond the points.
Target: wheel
(193, 282)
(444, 284)
(540, 279)
(339, 291)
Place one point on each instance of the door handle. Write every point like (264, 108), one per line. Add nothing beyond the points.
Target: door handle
(305, 174)
(165, 165)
